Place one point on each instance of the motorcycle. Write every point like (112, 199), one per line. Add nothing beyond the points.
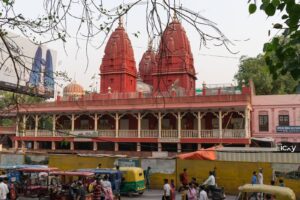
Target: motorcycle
(215, 193)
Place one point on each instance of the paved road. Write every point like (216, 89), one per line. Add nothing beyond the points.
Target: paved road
(156, 195)
(148, 195)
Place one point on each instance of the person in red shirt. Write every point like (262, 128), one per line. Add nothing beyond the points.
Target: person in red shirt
(184, 177)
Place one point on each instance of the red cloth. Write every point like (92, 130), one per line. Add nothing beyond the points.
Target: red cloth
(203, 154)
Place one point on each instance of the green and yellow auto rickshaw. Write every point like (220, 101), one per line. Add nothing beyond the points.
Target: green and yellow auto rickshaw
(133, 180)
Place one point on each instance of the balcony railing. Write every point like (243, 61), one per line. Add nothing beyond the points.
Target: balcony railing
(107, 133)
(189, 133)
(214, 133)
(169, 133)
(149, 133)
(128, 133)
(234, 133)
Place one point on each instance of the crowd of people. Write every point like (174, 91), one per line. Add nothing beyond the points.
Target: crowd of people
(190, 190)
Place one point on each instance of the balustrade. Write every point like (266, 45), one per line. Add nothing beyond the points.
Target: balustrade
(107, 133)
(189, 133)
(233, 133)
(149, 133)
(128, 133)
(169, 133)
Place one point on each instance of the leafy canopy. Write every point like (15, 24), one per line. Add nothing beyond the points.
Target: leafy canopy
(282, 54)
(257, 70)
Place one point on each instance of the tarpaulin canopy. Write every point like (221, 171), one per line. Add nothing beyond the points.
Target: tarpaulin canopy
(202, 154)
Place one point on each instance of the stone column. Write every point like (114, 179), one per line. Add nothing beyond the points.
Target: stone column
(95, 147)
(16, 144)
(139, 124)
(199, 124)
(53, 124)
(17, 126)
(24, 125)
(72, 122)
(199, 146)
(138, 146)
(117, 125)
(159, 147)
(53, 147)
(72, 146)
(36, 125)
(179, 147)
(246, 123)
(220, 125)
(159, 124)
(179, 124)
(96, 122)
(116, 146)
(35, 145)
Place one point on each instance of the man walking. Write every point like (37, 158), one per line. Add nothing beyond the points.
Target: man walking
(202, 194)
(260, 176)
(147, 176)
(3, 190)
(167, 190)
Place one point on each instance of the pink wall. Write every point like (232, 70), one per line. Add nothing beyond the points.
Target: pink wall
(273, 104)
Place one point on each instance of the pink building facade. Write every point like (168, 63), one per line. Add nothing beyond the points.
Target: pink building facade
(277, 117)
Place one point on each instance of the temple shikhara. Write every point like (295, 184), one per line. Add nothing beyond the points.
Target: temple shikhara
(153, 109)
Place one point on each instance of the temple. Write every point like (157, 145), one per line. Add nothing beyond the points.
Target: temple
(157, 109)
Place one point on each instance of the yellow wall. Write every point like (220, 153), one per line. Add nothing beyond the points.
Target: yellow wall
(230, 175)
(71, 162)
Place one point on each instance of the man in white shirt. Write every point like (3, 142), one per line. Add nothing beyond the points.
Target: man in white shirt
(202, 194)
(260, 176)
(211, 180)
(3, 190)
(167, 190)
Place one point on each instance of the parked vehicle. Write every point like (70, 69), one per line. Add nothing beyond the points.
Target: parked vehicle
(248, 192)
(114, 176)
(133, 180)
(34, 181)
(61, 183)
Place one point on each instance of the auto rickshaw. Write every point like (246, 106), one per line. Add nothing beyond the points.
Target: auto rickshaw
(248, 192)
(114, 176)
(133, 180)
(61, 183)
(34, 181)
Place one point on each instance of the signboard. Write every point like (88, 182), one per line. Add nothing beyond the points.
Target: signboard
(288, 129)
(125, 162)
(33, 73)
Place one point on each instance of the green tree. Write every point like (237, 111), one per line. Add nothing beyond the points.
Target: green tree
(282, 54)
(257, 70)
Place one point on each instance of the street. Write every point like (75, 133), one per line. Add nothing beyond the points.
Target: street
(148, 195)
(156, 194)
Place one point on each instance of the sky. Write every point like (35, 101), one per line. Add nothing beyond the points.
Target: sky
(213, 64)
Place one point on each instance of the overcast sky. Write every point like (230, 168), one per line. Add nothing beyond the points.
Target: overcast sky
(214, 65)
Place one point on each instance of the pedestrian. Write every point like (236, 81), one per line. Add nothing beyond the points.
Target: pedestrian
(147, 176)
(260, 176)
(3, 190)
(281, 183)
(106, 184)
(167, 190)
(99, 166)
(173, 190)
(192, 192)
(97, 190)
(194, 181)
(12, 191)
(81, 193)
(254, 178)
(254, 181)
(184, 178)
(202, 194)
